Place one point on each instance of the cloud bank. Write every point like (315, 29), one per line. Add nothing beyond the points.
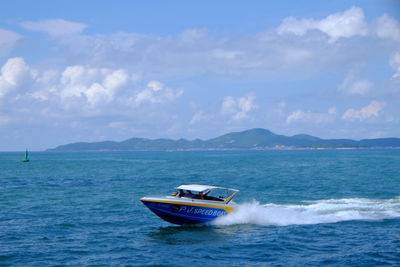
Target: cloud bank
(300, 76)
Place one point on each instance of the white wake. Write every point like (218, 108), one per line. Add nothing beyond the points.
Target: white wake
(313, 212)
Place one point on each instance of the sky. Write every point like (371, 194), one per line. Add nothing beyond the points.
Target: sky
(99, 70)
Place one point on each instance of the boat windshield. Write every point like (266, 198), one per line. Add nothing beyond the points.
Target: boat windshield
(216, 194)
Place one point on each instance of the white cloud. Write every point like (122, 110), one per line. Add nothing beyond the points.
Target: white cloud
(156, 92)
(13, 73)
(395, 64)
(97, 85)
(199, 116)
(196, 52)
(360, 87)
(7, 41)
(76, 91)
(155, 86)
(371, 111)
(193, 35)
(75, 75)
(97, 93)
(14, 70)
(312, 117)
(55, 27)
(294, 26)
(353, 86)
(339, 25)
(387, 27)
(228, 105)
(238, 108)
(116, 79)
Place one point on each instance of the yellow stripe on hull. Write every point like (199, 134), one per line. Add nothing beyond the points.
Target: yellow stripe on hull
(227, 209)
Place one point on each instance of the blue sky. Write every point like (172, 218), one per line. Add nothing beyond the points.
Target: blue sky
(110, 70)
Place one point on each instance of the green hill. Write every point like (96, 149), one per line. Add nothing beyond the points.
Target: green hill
(250, 139)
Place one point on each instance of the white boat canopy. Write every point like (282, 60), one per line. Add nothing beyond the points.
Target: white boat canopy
(202, 188)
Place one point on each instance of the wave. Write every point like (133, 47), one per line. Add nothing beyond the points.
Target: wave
(313, 212)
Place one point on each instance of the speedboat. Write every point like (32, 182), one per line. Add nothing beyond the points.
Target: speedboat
(192, 204)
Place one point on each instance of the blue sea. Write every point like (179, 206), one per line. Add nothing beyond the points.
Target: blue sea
(297, 208)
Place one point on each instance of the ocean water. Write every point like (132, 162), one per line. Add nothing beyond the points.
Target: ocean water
(297, 208)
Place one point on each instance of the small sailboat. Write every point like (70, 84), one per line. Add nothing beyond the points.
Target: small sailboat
(26, 159)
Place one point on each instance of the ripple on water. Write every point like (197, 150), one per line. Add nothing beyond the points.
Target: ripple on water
(311, 208)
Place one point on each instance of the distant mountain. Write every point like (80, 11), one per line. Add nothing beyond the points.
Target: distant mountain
(250, 139)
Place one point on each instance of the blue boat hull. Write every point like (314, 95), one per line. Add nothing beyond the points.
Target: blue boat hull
(184, 214)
